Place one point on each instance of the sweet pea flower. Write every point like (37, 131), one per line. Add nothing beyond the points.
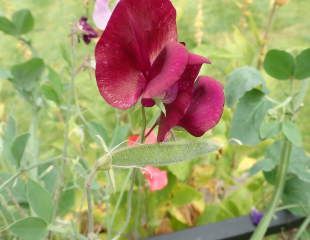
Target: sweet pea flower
(256, 216)
(157, 179)
(88, 32)
(139, 58)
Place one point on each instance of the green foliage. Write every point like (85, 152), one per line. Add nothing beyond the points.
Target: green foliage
(40, 200)
(23, 21)
(162, 154)
(18, 148)
(292, 133)
(297, 192)
(30, 228)
(27, 75)
(303, 64)
(183, 194)
(7, 26)
(248, 118)
(299, 161)
(279, 64)
(240, 81)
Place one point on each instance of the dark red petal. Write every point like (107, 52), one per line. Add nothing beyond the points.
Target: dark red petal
(176, 110)
(135, 35)
(167, 69)
(206, 107)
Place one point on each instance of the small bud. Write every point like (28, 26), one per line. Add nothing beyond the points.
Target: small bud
(281, 2)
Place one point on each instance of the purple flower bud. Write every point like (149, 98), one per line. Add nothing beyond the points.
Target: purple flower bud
(87, 30)
(256, 216)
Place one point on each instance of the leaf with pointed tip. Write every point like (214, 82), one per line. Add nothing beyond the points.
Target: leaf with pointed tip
(7, 26)
(23, 21)
(18, 147)
(162, 154)
(40, 200)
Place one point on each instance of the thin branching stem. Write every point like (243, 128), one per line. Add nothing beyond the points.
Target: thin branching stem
(265, 38)
(280, 182)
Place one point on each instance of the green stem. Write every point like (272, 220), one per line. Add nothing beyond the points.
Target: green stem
(302, 228)
(142, 135)
(118, 203)
(21, 171)
(280, 182)
(33, 144)
(266, 35)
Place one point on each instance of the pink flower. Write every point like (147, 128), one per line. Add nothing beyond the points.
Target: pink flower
(156, 178)
(139, 57)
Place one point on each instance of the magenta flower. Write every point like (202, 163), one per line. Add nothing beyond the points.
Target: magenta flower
(139, 57)
(88, 33)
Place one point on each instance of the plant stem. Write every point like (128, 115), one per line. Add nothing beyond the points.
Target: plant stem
(266, 35)
(99, 163)
(280, 182)
(142, 135)
(129, 206)
(302, 228)
(21, 171)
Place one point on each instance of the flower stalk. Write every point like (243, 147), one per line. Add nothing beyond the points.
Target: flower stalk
(280, 182)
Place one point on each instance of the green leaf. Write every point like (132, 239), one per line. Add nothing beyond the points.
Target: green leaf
(299, 161)
(119, 135)
(66, 202)
(55, 80)
(19, 146)
(7, 26)
(30, 228)
(26, 75)
(248, 118)
(279, 64)
(303, 64)
(240, 82)
(162, 154)
(300, 164)
(40, 200)
(297, 192)
(95, 129)
(269, 129)
(50, 94)
(292, 133)
(184, 194)
(23, 21)
(181, 170)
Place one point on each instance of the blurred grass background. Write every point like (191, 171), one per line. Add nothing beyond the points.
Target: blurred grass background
(215, 28)
(227, 39)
